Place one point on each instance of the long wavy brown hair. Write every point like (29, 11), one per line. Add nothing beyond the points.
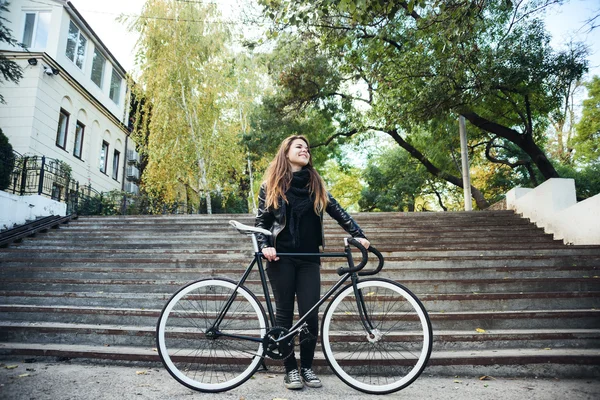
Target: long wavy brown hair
(278, 178)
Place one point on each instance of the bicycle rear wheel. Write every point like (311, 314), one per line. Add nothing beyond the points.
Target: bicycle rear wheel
(397, 352)
(203, 358)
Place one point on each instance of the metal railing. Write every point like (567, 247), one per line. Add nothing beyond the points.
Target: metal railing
(52, 178)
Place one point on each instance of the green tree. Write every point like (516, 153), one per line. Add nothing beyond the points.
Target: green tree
(10, 70)
(191, 141)
(587, 141)
(344, 183)
(7, 161)
(562, 119)
(397, 182)
(422, 61)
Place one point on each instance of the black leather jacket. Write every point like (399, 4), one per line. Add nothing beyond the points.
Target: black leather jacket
(274, 220)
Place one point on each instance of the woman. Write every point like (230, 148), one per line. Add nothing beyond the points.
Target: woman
(292, 199)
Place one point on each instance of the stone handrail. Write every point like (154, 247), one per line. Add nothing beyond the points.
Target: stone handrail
(553, 206)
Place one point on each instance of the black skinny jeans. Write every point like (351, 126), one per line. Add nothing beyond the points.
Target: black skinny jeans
(291, 277)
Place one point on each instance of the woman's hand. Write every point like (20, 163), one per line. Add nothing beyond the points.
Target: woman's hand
(364, 242)
(270, 253)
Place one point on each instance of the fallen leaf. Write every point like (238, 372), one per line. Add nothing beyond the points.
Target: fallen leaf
(480, 330)
(11, 366)
(141, 372)
(154, 349)
(23, 375)
(457, 381)
(486, 378)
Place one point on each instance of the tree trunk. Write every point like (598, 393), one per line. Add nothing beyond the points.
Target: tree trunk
(203, 184)
(208, 203)
(524, 141)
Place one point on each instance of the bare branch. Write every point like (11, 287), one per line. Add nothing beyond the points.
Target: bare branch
(330, 139)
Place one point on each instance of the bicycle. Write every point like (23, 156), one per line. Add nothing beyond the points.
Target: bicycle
(213, 334)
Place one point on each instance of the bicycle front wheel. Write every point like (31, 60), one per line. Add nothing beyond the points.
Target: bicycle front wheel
(396, 351)
(203, 356)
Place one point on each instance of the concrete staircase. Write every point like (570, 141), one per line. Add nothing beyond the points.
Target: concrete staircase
(504, 298)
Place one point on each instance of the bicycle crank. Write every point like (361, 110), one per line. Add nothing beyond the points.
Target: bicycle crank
(277, 350)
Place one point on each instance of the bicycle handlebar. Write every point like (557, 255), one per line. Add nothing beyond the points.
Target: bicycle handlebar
(351, 268)
(379, 267)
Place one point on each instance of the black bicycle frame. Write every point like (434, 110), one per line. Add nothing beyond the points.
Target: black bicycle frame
(347, 254)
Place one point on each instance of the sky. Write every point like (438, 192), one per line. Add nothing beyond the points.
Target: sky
(563, 22)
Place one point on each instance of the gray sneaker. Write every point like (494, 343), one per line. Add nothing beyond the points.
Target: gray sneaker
(310, 378)
(292, 380)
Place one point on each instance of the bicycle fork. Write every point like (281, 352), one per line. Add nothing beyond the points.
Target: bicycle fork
(372, 333)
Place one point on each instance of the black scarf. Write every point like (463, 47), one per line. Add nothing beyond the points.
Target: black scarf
(300, 202)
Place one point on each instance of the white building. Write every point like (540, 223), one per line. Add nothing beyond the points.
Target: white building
(73, 102)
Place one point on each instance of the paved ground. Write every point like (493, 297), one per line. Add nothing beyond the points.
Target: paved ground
(71, 380)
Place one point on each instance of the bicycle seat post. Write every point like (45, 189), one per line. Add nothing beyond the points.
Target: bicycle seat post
(254, 243)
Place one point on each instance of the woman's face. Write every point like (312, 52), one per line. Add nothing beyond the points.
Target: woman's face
(298, 154)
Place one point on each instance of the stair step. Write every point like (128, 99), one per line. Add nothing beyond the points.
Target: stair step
(190, 273)
(580, 318)
(446, 286)
(583, 361)
(243, 256)
(145, 336)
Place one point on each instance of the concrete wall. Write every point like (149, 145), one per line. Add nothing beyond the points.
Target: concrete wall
(553, 206)
(17, 210)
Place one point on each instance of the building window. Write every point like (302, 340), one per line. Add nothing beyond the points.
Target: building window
(115, 172)
(98, 68)
(75, 45)
(56, 192)
(63, 126)
(104, 157)
(35, 33)
(115, 86)
(78, 148)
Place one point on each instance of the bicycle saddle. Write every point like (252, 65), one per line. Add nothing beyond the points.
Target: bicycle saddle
(247, 229)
